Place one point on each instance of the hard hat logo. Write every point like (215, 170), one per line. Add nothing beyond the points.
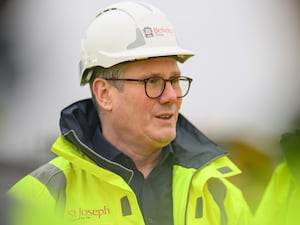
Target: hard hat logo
(160, 31)
(157, 31)
(148, 32)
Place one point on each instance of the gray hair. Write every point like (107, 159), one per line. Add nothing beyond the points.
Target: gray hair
(107, 73)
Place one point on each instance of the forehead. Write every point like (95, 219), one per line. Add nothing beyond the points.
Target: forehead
(159, 65)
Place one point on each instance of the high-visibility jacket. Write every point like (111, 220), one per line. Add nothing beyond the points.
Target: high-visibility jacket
(281, 201)
(79, 186)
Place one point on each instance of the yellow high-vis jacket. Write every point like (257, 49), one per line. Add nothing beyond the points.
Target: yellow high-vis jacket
(281, 201)
(78, 188)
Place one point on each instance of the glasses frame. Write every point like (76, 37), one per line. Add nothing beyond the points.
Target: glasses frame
(145, 81)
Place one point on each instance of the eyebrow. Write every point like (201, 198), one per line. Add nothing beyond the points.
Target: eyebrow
(154, 74)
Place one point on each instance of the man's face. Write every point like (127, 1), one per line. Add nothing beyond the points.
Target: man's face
(139, 120)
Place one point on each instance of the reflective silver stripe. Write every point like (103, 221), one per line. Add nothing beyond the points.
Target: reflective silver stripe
(218, 190)
(126, 210)
(225, 169)
(199, 208)
(55, 181)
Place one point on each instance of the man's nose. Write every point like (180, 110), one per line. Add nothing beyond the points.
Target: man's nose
(169, 94)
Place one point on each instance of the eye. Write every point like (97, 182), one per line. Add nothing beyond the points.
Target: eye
(175, 80)
(154, 80)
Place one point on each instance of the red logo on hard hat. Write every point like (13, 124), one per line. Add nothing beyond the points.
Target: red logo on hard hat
(159, 31)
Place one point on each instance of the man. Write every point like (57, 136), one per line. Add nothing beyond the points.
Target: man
(127, 156)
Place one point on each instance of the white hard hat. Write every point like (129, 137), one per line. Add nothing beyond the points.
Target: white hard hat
(128, 31)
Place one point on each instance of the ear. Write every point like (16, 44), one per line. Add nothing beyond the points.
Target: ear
(102, 92)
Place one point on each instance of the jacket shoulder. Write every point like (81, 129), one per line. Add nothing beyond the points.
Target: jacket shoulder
(47, 181)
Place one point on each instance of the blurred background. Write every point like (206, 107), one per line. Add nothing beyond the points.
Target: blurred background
(246, 73)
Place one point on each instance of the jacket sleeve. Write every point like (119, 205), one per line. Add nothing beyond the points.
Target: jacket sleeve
(32, 203)
(281, 201)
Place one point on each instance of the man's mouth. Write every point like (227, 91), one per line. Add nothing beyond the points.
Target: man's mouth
(165, 116)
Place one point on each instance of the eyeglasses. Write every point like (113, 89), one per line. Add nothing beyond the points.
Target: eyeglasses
(155, 86)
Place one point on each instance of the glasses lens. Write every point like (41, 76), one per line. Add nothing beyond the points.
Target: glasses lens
(181, 86)
(156, 85)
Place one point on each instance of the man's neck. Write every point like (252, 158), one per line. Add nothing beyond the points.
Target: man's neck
(145, 163)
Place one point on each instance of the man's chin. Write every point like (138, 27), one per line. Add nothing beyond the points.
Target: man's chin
(166, 139)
